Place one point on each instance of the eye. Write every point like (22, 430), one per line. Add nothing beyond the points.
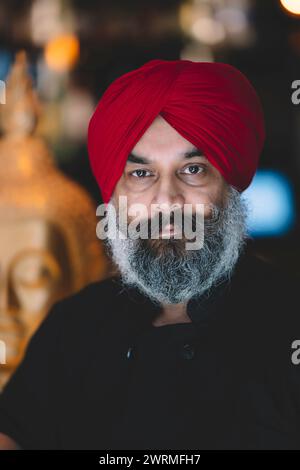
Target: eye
(194, 169)
(140, 173)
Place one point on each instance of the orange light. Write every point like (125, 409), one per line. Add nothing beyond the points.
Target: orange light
(62, 52)
(292, 6)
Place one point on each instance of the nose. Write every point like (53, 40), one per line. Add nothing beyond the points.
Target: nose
(168, 195)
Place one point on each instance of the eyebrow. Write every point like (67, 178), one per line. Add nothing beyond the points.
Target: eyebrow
(132, 158)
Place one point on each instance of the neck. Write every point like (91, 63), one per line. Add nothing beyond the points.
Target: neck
(172, 313)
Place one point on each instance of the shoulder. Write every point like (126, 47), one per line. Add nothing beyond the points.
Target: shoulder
(268, 306)
(75, 325)
(265, 278)
(78, 317)
(92, 295)
(266, 297)
(89, 306)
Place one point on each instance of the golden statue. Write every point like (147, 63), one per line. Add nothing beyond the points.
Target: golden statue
(48, 243)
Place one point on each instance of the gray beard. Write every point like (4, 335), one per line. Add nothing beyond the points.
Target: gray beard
(168, 273)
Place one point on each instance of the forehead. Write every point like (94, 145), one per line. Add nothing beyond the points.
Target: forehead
(162, 139)
(160, 133)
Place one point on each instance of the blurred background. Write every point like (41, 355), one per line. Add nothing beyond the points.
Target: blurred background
(72, 50)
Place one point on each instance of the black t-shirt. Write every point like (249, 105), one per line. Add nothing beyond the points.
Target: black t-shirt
(98, 375)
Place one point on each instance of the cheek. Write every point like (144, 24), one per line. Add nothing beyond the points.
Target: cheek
(128, 188)
(219, 195)
(213, 196)
(134, 207)
(137, 209)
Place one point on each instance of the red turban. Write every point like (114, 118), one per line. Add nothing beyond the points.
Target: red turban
(212, 105)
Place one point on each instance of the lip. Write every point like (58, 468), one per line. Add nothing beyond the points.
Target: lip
(168, 230)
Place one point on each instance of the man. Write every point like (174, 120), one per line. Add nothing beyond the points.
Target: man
(182, 348)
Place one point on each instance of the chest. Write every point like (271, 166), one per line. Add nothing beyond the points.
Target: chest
(189, 393)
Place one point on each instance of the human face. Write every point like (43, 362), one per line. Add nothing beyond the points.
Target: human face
(165, 168)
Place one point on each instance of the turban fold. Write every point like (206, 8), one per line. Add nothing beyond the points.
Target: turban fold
(212, 105)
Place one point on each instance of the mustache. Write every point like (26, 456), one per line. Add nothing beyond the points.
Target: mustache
(179, 219)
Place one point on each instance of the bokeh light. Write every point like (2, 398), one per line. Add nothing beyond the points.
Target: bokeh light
(292, 6)
(271, 202)
(62, 52)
